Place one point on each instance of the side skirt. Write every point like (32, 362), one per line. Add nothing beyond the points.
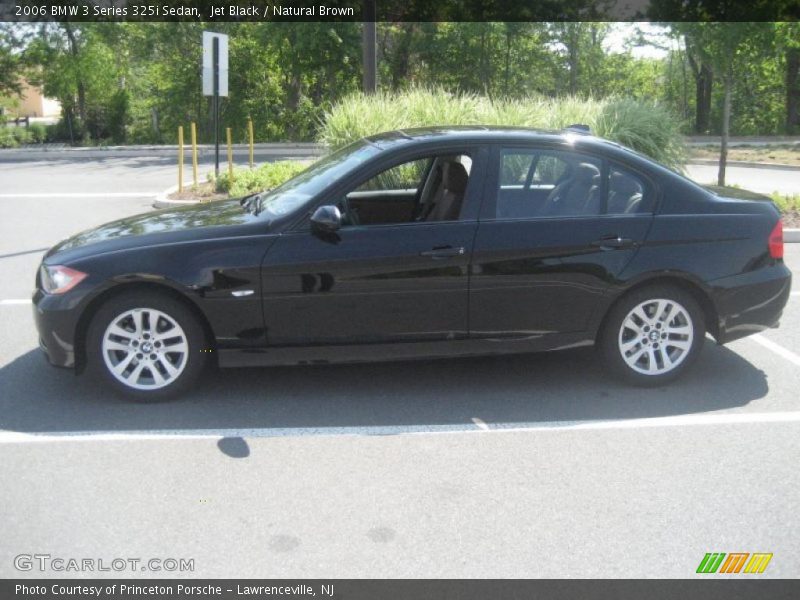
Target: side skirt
(346, 353)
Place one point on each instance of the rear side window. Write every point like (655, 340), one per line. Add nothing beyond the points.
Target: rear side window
(628, 193)
(549, 170)
(548, 183)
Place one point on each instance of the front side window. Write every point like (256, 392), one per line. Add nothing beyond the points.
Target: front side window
(548, 183)
(430, 188)
(297, 191)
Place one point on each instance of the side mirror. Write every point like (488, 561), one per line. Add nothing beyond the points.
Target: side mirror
(326, 219)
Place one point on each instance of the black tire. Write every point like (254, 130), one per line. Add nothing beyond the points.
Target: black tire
(612, 338)
(196, 356)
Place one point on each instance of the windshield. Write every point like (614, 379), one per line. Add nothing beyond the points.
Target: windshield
(292, 194)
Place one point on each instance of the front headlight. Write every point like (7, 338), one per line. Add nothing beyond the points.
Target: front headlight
(57, 279)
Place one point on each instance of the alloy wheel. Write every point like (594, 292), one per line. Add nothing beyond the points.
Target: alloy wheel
(656, 336)
(145, 349)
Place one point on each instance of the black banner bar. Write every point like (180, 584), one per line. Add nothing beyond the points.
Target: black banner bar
(399, 10)
(390, 589)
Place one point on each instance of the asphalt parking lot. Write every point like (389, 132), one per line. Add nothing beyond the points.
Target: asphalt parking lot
(525, 466)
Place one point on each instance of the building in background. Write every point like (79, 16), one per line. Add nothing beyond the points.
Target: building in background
(33, 104)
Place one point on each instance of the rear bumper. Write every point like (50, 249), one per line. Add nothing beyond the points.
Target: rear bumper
(751, 302)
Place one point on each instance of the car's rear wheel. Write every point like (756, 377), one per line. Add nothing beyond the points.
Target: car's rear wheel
(146, 345)
(653, 335)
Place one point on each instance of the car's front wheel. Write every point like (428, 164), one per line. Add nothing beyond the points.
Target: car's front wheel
(653, 335)
(146, 345)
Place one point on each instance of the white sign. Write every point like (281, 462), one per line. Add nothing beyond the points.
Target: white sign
(208, 63)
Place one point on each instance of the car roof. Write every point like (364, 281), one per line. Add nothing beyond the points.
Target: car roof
(498, 134)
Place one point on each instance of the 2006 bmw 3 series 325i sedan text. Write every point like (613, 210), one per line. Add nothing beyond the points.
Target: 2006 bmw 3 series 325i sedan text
(422, 243)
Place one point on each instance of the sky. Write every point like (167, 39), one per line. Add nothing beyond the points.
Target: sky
(622, 32)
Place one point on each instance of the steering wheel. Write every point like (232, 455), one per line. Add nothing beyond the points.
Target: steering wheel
(350, 215)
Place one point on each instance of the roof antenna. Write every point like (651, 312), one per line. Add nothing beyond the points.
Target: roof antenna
(578, 128)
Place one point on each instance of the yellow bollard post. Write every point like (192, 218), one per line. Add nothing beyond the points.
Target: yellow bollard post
(180, 158)
(250, 137)
(230, 155)
(194, 154)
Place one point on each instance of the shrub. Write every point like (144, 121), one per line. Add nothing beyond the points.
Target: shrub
(7, 139)
(643, 126)
(14, 136)
(38, 132)
(248, 181)
(58, 132)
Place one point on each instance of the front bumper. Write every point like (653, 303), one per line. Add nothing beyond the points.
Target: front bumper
(56, 319)
(751, 302)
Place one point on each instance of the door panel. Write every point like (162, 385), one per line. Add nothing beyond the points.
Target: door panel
(368, 284)
(545, 275)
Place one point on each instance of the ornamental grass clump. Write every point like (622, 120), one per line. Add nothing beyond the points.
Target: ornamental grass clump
(646, 127)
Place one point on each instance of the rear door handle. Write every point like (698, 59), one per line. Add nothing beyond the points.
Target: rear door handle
(443, 252)
(613, 242)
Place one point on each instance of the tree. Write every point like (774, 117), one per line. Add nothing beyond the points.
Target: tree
(10, 83)
(724, 46)
(788, 41)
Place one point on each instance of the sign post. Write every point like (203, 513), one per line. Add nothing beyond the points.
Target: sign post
(215, 79)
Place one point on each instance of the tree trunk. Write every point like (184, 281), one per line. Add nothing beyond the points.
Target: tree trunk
(792, 90)
(726, 123)
(573, 58)
(400, 60)
(508, 64)
(74, 50)
(703, 80)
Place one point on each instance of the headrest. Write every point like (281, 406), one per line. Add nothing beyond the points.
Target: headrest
(625, 185)
(586, 173)
(456, 178)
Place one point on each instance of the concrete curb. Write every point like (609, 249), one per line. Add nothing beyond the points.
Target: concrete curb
(791, 236)
(745, 164)
(163, 200)
(754, 140)
(240, 152)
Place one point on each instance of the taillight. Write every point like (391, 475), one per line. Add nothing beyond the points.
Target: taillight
(776, 240)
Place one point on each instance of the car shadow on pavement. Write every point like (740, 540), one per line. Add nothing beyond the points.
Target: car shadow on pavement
(529, 389)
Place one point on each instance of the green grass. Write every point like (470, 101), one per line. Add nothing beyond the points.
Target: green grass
(248, 181)
(643, 126)
(786, 202)
(786, 154)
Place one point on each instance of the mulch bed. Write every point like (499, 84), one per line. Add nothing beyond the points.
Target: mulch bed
(203, 191)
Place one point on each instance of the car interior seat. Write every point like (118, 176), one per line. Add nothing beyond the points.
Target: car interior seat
(444, 203)
(625, 194)
(578, 195)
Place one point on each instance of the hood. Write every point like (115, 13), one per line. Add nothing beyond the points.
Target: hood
(195, 222)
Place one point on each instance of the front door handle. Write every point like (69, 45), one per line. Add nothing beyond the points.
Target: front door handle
(613, 242)
(443, 252)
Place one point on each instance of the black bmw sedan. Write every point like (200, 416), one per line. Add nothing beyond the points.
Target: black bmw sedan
(422, 243)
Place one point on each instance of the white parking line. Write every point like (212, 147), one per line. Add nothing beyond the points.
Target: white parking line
(14, 301)
(17, 437)
(779, 350)
(84, 195)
